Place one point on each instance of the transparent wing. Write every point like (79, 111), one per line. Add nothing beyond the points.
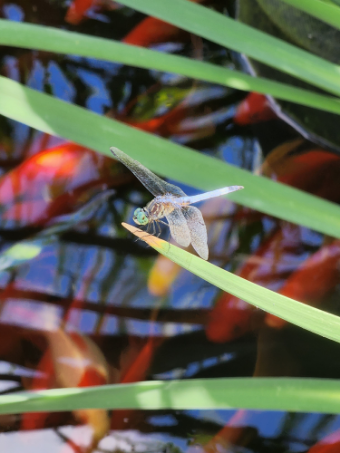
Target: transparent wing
(198, 230)
(178, 228)
(152, 182)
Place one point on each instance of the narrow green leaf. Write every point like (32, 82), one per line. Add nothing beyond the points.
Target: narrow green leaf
(57, 117)
(309, 318)
(326, 12)
(242, 38)
(278, 394)
(50, 39)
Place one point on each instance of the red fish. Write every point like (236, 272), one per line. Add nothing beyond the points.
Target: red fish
(315, 171)
(233, 433)
(50, 183)
(135, 363)
(43, 380)
(140, 364)
(329, 444)
(255, 108)
(77, 11)
(71, 360)
(154, 31)
(232, 317)
(316, 277)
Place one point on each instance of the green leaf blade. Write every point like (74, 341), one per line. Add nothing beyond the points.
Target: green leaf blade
(57, 117)
(244, 39)
(302, 315)
(275, 394)
(52, 40)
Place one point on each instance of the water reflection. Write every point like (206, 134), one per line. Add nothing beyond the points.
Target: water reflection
(81, 304)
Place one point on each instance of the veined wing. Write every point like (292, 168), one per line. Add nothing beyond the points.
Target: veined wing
(198, 230)
(178, 227)
(152, 182)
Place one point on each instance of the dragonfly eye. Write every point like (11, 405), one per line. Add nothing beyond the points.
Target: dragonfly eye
(140, 217)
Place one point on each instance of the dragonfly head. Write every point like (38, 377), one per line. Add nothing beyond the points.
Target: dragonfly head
(140, 217)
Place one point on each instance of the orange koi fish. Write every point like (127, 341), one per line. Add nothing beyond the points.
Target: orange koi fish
(154, 31)
(309, 284)
(232, 317)
(135, 363)
(329, 444)
(233, 433)
(78, 9)
(49, 184)
(71, 360)
(255, 108)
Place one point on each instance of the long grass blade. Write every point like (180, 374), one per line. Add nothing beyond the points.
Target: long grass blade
(50, 39)
(328, 13)
(309, 318)
(242, 38)
(59, 118)
(279, 394)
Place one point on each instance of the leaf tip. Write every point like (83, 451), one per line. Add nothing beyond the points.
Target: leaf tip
(153, 241)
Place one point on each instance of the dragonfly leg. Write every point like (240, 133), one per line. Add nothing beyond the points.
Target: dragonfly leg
(159, 231)
(137, 239)
(150, 226)
(164, 223)
(147, 231)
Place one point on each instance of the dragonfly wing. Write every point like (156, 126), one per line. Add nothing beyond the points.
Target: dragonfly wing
(178, 228)
(198, 230)
(171, 188)
(152, 182)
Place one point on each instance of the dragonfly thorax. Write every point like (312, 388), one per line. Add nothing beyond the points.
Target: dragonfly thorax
(160, 207)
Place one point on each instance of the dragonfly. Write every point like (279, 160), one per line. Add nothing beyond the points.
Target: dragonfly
(185, 221)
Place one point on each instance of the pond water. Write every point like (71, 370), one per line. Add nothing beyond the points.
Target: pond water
(88, 303)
